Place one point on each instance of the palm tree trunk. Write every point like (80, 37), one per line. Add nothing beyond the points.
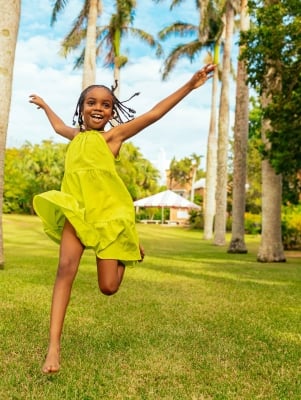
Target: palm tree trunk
(241, 130)
(271, 247)
(223, 133)
(211, 160)
(89, 71)
(9, 32)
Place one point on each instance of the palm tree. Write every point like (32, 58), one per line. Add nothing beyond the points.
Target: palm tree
(208, 34)
(223, 129)
(9, 32)
(211, 159)
(241, 130)
(109, 37)
(106, 37)
(204, 39)
(84, 28)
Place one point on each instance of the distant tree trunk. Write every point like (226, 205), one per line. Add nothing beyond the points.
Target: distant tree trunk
(211, 160)
(9, 25)
(223, 134)
(89, 71)
(241, 130)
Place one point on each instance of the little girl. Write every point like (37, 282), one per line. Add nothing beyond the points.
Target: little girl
(94, 209)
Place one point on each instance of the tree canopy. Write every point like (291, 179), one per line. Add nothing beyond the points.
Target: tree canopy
(275, 39)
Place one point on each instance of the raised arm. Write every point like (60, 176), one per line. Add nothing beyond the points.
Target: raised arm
(119, 134)
(57, 123)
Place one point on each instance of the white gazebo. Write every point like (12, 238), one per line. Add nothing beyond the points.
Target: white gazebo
(166, 199)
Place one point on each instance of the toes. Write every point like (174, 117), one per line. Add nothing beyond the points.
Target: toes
(47, 370)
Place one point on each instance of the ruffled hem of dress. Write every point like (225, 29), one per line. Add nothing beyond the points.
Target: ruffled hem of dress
(54, 207)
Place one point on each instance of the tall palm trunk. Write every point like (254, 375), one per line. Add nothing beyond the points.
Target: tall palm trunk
(211, 160)
(117, 65)
(89, 71)
(241, 130)
(271, 247)
(223, 133)
(9, 25)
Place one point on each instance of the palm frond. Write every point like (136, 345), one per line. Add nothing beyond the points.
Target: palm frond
(181, 29)
(142, 35)
(79, 62)
(59, 5)
(189, 51)
(72, 41)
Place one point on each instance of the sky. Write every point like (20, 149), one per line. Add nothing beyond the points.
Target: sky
(39, 69)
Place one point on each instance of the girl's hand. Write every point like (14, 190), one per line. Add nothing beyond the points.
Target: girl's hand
(201, 76)
(33, 98)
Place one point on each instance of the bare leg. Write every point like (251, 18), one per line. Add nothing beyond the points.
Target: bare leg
(142, 253)
(110, 275)
(71, 250)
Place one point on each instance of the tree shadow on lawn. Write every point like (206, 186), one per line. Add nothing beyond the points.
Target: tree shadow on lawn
(221, 272)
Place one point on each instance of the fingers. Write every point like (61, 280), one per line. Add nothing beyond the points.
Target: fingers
(33, 98)
(208, 70)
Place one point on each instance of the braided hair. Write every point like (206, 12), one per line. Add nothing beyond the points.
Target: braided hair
(121, 113)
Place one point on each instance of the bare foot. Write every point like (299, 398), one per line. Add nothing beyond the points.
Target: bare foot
(52, 362)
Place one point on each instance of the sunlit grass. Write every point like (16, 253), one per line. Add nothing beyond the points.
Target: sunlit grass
(190, 322)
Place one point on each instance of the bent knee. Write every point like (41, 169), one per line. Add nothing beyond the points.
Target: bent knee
(108, 289)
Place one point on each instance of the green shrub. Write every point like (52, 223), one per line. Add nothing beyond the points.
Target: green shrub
(252, 224)
(291, 226)
(196, 219)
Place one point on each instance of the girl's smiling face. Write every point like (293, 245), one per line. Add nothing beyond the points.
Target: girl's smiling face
(97, 108)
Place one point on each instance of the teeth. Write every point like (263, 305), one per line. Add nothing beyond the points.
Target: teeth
(98, 116)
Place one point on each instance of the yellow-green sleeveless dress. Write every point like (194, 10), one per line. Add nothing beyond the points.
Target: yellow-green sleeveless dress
(95, 201)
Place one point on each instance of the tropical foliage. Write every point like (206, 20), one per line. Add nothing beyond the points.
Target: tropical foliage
(33, 169)
(282, 45)
(139, 175)
(291, 226)
(184, 171)
(30, 170)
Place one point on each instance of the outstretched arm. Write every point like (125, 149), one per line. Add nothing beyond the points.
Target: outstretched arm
(57, 123)
(119, 134)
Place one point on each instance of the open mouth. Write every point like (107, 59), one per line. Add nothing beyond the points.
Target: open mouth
(97, 117)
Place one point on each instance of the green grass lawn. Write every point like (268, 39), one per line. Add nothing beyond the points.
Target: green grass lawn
(190, 322)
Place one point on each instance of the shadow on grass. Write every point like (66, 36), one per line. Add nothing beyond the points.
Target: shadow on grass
(219, 272)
